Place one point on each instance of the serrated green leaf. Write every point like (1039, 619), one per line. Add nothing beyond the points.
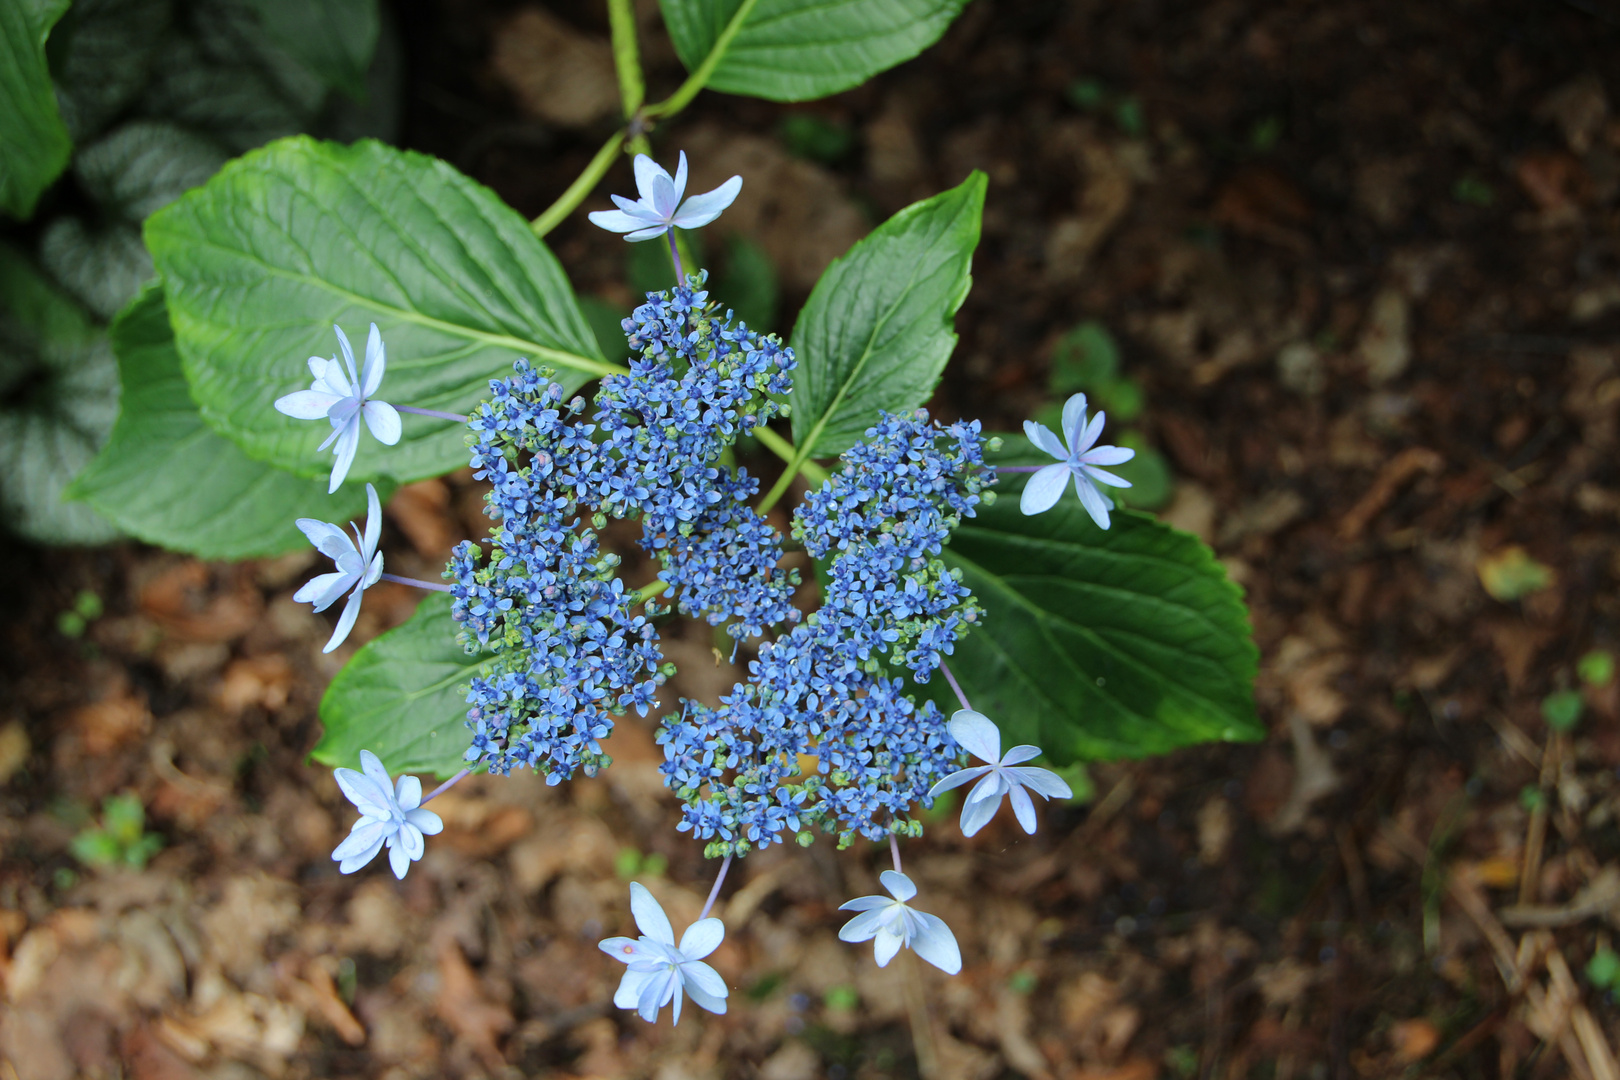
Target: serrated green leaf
(233, 33)
(403, 697)
(261, 261)
(106, 59)
(1101, 645)
(795, 50)
(876, 331)
(58, 398)
(167, 478)
(333, 38)
(103, 268)
(34, 144)
(142, 166)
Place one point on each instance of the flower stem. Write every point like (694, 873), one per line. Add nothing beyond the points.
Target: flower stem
(626, 57)
(553, 215)
(446, 786)
(894, 850)
(945, 670)
(714, 893)
(432, 412)
(700, 78)
(1019, 468)
(675, 257)
(783, 449)
(647, 592)
(416, 582)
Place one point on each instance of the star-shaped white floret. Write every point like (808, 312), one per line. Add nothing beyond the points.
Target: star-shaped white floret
(660, 206)
(1079, 459)
(359, 565)
(979, 736)
(344, 398)
(390, 813)
(659, 970)
(890, 923)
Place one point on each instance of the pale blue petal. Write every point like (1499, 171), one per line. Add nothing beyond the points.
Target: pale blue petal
(716, 1005)
(426, 821)
(306, 404)
(885, 945)
(361, 790)
(650, 915)
(348, 442)
(330, 540)
(1074, 417)
(410, 838)
(383, 420)
(934, 942)
(680, 177)
(371, 375)
(616, 221)
(663, 196)
(656, 992)
(398, 860)
(647, 173)
(1042, 436)
(957, 779)
(1023, 808)
(623, 949)
(1088, 436)
(1105, 477)
(364, 838)
(628, 996)
(376, 772)
(696, 975)
(702, 938)
(702, 209)
(993, 786)
(374, 572)
(348, 357)
(865, 903)
(373, 524)
(323, 590)
(975, 815)
(1092, 500)
(900, 887)
(976, 733)
(649, 234)
(1020, 753)
(864, 926)
(1108, 455)
(353, 860)
(408, 792)
(676, 997)
(351, 612)
(1044, 489)
(1043, 782)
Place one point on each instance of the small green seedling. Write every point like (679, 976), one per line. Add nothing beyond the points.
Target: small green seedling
(630, 863)
(1562, 709)
(1470, 190)
(121, 839)
(1603, 970)
(1596, 668)
(86, 609)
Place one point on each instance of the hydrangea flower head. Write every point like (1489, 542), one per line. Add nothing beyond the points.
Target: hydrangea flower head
(390, 814)
(979, 736)
(660, 207)
(343, 397)
(359, 565)
(659, 971)
(1080, 459)
(890, 923)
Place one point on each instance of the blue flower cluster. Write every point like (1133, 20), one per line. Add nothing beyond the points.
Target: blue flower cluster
(666, 431)
(822, 733)
(545, 601)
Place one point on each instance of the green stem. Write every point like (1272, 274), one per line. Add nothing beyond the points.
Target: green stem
(797, 463)
(626, 57)
(647, 592)
(581, 187)
(682, 97)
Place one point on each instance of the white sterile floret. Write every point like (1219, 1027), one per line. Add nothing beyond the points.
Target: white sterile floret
(390, 813)
(889, 923)
(660, 206)
(979, 736)
(1079, 459)
(659, 970)
(359, 565)
(343, 398)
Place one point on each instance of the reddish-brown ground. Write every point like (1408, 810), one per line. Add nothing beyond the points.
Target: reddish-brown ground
(1364, 258)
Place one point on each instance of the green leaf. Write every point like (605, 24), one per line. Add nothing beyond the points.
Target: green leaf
(1099, 645)
(168, 479)
(261, 261)
(102, 267)
(103, 56)
(795, 50)
(1149, 474)
(34, 143)
(876, 331)
(231, 100)
(333, 38)
(142, 166)
(403, 697)
(58, 399)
